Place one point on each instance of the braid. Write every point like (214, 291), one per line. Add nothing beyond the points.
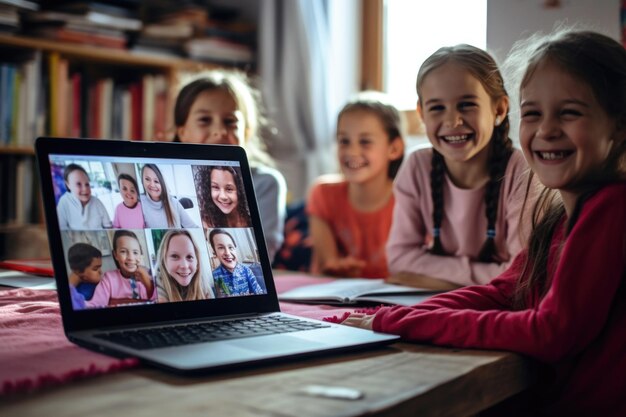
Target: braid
(436, 184)
(501, 150)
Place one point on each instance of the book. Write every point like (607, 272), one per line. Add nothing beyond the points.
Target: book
(357, 290)
(31, 266)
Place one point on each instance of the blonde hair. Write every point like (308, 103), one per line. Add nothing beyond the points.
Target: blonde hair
(197, 289)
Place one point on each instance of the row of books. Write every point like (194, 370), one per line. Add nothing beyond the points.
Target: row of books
(45, 96)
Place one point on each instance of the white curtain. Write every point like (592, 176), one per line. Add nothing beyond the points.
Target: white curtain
(294, 43)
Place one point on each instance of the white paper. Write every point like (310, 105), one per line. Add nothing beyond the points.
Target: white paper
(19, 279)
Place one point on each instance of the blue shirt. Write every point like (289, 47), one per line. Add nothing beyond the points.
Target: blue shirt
(239, 282)
(86, 289)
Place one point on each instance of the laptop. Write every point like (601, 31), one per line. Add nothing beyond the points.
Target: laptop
(159, 254)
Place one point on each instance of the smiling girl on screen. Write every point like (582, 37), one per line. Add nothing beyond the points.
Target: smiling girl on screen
(181, 275)
(226, 206)
(131, 282)
(128, 214)
(161, 210)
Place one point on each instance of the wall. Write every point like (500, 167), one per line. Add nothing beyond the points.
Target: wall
(510, 20)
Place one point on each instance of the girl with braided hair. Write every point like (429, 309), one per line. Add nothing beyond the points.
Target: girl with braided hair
(458, 203)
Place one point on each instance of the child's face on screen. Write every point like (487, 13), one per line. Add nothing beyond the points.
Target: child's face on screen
(458, 112)
(564, 132)
(215, 119)
(79, 186)
(152, 184)
(180, 260)
(93, 272)
(128, 192)
(224, 190)
(127, 254)
(363, 146)
(225, 250)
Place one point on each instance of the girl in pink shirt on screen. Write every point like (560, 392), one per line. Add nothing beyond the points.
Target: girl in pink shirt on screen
(456, 218)
(129, 284)
(562, 300)
(128, 214)
(350, 216)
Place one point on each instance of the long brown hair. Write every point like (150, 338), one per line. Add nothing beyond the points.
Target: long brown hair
(165, 197)
(599, 62)
(483, 67)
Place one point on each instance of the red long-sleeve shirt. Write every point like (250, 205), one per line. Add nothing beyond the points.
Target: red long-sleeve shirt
(579, 327)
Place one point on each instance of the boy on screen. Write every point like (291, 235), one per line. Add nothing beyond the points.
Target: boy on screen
(231, 277)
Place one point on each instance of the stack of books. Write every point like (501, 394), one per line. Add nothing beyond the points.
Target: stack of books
(99, 23)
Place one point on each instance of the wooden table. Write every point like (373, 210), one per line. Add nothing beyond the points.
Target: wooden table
(400, 380)
(403, 379)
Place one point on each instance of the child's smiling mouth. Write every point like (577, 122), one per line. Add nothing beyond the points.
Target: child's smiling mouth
(556, 155)
(354, 164)
(457, 139)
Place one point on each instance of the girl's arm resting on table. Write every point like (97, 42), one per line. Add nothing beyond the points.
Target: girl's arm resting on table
(496, 295)
(573, 312)
(325, 252)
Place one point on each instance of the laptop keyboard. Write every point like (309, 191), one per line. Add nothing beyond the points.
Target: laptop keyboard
(186, 334)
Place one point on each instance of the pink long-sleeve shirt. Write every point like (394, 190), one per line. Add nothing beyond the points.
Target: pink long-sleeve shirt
(464, 225)
(578, 326)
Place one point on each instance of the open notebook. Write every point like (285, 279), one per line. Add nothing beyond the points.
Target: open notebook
(186, 283)
(357, 291)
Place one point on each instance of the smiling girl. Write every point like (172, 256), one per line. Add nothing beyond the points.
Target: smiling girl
(161, 210)
(181, 275)
(226, 206)
(78, 209)
(128, 214)
(350, 217)
(458, 203)
(131, 282)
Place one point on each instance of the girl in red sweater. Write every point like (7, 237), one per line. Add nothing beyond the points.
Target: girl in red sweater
(563, 300)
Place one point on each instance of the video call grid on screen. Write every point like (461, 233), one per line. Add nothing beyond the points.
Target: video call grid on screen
(123, 247)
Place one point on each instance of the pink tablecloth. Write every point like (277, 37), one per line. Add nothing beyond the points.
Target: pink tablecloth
(35, 353)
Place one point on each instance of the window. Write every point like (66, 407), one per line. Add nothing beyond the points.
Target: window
(415, 29)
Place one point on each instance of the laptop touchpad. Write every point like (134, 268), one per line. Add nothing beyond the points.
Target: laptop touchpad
(279, 344)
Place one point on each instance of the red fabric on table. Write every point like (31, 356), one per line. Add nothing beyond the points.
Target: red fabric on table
(34, 351)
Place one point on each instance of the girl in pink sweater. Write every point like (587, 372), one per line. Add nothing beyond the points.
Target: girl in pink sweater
(456, 218)
(562, 300)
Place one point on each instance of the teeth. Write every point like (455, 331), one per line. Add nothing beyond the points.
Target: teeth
(354, 164)
(456, 138)
(552, 155)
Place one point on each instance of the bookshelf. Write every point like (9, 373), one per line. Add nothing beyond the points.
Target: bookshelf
(78, 88)
(102, 55)
(48, 71)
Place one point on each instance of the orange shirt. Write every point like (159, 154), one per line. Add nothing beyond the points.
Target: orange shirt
(362, 235)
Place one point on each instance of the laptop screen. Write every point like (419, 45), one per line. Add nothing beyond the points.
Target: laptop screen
(144, 230)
